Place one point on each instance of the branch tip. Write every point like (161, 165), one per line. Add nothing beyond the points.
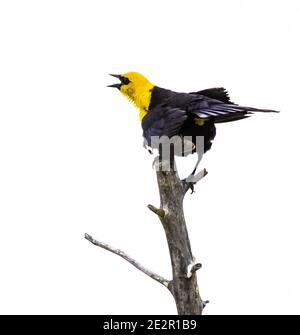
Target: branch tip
(158, 211)
(196, 267)
(192, 268)
(89, 238)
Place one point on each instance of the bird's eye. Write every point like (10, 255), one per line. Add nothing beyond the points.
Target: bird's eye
(125, 81)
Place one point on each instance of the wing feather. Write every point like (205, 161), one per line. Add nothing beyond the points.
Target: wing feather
(163, 121)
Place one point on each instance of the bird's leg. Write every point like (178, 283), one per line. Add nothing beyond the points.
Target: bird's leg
(189, 184)
(192, 179)
(145, 145)
(196, 166)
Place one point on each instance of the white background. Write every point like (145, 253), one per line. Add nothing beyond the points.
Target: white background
(72, 159)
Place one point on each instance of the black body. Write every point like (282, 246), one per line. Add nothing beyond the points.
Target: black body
(171, 113)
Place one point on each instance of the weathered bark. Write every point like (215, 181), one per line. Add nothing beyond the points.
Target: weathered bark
(183, 285)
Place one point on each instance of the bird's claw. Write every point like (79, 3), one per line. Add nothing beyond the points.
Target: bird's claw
(189, 185)
(192, 179)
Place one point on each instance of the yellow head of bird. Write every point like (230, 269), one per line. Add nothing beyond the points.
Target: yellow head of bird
(135, 87)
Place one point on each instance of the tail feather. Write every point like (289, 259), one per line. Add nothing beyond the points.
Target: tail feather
(230, 112)
(259, 110)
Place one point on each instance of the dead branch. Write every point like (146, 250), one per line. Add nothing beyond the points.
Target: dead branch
(129, 259)
(183, 285)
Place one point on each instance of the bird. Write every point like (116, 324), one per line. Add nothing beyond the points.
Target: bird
(166, 113)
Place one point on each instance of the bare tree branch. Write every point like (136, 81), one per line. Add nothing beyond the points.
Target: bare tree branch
(158, 211)
(129, 259)
(183, 285)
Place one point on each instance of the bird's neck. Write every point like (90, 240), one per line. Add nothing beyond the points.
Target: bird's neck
(142, 99)
(142, 114)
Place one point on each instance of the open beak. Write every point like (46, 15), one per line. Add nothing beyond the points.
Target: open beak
(118, 86)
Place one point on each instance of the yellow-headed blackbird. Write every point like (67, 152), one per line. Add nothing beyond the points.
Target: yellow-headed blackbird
(167, 113)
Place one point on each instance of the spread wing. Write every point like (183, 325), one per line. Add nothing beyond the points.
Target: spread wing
(163, 120)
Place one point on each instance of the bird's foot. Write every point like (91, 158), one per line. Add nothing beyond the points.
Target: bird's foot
(189, 185)
(192, 180)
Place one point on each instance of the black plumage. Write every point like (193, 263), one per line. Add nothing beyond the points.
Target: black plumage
(191, 114)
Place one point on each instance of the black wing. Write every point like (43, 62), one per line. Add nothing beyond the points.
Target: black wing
(163, 121)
